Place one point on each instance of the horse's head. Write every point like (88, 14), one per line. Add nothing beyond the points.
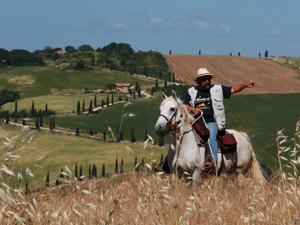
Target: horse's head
(170, 110)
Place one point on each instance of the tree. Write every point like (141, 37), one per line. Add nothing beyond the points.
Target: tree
(116, 166)
(160, 74)
(91, 107)
(80, 173)
(93, 60)
(51, 124)
(156, 84)
(139, 92)
(83, 106)
(112, 98)
(133, 139)
(7, 118)
(173, 80)
(78, 107)
(170, 52)
(95, 101)
(76, 172)
(266, 54)
(85, 48)
(199, 52)
(47, 180)
(259, 55)
(37, 124)
(102, 104)
(121, 167)
(136, 86)
(166, 82)
(79, 65)
(16, 106)
(110, 86)
(46, 110)
(104, 135)
(133, 94)
(41, 120)
(103, 170)
(230, 54)
(107, 101)
(239, 54)
(77, 131)
(70, 49)
(32, 109)
(146, 136)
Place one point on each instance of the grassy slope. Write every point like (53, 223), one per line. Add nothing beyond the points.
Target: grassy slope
(60, 150)
(45, 79)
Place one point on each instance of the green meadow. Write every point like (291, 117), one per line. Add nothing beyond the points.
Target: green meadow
(260, 116)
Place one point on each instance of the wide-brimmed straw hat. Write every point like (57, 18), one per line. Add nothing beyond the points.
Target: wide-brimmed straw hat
(203, 72)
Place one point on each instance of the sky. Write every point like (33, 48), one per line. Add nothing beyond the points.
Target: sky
(215, 27)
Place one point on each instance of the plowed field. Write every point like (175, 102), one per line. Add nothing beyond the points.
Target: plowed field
(269, 77)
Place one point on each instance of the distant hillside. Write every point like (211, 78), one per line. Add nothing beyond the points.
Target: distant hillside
(270, 77)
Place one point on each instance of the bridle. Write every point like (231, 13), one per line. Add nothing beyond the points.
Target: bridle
(169, 120)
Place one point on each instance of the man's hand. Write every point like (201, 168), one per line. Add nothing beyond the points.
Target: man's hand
(196, 111)
(250, 84)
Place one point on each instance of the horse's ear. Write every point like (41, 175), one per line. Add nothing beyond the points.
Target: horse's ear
(163, 95)
(174, 95)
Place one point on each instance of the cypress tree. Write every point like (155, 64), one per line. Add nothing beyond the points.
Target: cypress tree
(78, 107)
(91, 107)
(112, 98)
(136, 86)
(95, 101)
(94, 171)
(116, 166)
(160, 74)
(199, 52)
(134, 94)
(170, 52)
(41, 120)
(135, 161)
(239, 54)
(46, 110)
(7, 118)
(83, 105)
(166, 82)
(51, 124)
(23, 122)
(121, 167)
(173, 80)
(121, 136)
(37, 124)
(107, 101)
(266, 54)
(104, 135)
(259, 55)
(76, 174)
(152, 90)
(169, 76)
(47, 180)
(80, 173)
(230, 54)
(77, 131)
(146, 136)
(132, 135)
(32, 109)
(156, 84)
(102, 103)
(139, 92)
(90, 172)
(103, 170)
(16, 106)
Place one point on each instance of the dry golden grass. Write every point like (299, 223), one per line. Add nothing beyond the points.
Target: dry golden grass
(144, 198)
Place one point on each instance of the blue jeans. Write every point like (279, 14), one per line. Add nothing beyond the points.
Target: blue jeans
(213, 129)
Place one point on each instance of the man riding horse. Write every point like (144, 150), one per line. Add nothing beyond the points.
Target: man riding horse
(208, 98)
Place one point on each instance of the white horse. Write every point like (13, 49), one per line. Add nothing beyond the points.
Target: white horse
(187, 156)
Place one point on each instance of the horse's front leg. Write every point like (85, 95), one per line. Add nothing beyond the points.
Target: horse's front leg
(196, 176)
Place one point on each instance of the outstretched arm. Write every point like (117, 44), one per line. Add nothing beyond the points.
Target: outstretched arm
(238, 88)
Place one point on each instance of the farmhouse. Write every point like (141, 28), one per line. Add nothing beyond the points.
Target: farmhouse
(123, 87)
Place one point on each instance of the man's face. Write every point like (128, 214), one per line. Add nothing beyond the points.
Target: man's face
(204, 83)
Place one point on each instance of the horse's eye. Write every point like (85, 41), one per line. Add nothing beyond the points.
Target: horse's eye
(172, 109)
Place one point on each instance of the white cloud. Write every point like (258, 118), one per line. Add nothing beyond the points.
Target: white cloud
(156, 20)
(275, 33)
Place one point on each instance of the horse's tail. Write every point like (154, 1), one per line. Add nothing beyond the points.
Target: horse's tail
(256, 170)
